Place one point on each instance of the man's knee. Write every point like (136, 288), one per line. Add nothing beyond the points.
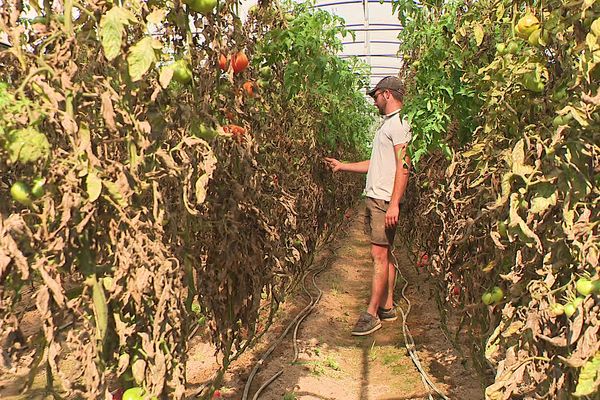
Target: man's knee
(379, 254)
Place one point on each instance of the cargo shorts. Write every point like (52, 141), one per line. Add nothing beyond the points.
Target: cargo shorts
(375, 222)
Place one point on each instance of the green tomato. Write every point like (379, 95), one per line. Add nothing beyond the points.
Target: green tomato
(501, 48)
(532, 82)
(557, 309)
(203, 6)
(38, 187)
(584, 286)
(202, 131)
(265, 72)
(135, 393)
(20, 193)
(497, 294)
(527, 25)
(512, 47)
(577, 301)
(182, 72)
(569, 309)
(487, 298)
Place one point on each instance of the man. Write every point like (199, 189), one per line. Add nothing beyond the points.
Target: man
(387, 176)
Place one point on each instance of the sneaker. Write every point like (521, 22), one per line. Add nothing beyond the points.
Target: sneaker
(387, 314)
(366, 324)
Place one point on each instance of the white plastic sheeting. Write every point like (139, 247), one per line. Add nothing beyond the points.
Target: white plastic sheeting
(376, 31)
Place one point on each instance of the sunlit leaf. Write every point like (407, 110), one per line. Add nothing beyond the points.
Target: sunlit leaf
(141, 57)
(112, 28)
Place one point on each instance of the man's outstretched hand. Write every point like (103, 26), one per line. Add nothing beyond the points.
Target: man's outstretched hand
(334, 164)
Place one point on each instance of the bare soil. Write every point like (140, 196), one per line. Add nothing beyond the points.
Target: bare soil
(333, 364)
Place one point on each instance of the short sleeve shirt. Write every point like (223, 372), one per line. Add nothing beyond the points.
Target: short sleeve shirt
(382, 168)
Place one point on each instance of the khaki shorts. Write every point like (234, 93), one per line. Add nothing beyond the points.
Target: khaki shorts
(375, 222)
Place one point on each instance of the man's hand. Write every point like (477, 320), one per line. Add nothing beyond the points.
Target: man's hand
(391, 215)
(334, 164)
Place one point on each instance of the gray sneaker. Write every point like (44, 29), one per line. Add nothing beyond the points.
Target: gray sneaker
(366, 324)
(387, 315)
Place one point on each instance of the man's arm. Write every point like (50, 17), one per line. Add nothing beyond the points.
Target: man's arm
(400, 183)
(360, 167)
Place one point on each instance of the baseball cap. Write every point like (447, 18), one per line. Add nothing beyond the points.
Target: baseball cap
(388, 83)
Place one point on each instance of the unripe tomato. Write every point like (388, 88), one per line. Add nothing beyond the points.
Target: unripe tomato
(584, 286)
(596, 286)
(512, 47)
(569, 309)
(182, 72)
(239, 62)
(265, 72)
(487, 298)
(249, 88)
(38, 187)
(526, 25)
(501, 48)
(557, 310)
(135, 393)
(202, 131)
(497, 294)
(20, 193)
(223, 63)
(202, 6)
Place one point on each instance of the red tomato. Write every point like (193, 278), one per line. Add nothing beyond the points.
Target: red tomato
(216, 394)
(239, 62)
(223, 63)
(456, 290)
(249, 88)
(235, 130)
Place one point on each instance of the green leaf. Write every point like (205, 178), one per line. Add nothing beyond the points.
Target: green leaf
(544, 197)
(112, 28)
(587, 383)
(141, 57)
(94, 186)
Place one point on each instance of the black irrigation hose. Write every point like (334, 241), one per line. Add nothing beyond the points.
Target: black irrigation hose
(296, 321)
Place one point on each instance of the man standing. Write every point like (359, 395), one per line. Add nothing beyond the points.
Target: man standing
(387, 176)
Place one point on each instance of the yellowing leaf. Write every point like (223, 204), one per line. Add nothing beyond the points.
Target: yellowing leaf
(112, 28)
(595, 28)
(141, 57)
(500, 12)
(94, 186)
(156, 16)
(478, 32)
(27, 145)
(115, 193)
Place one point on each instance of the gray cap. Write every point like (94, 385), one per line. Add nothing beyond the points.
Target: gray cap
(388, 83)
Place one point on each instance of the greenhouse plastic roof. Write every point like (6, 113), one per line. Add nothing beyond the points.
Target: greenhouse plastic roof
(376, 31)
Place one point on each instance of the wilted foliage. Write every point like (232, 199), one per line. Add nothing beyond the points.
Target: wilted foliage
(146, 190)
(515, 206)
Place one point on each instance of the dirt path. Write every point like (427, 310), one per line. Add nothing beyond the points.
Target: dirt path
(332, 364)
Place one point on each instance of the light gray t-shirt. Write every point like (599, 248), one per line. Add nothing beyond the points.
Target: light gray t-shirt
(382, 168)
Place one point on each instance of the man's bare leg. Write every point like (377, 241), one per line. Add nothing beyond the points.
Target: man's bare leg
(381, 272)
